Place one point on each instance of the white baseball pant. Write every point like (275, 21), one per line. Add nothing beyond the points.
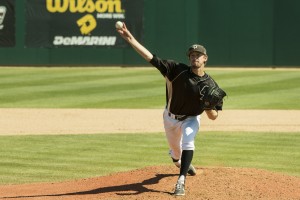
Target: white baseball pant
(180, 134)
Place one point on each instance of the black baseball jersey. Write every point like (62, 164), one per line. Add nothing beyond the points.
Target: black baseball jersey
(184, 89)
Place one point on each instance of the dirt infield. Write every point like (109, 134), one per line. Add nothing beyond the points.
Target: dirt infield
(155, 182)
(76, 121)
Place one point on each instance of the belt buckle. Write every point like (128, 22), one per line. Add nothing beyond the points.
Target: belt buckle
(172, 115)
(180, 118)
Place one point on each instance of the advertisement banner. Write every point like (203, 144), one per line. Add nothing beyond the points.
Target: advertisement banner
(80, 23)
(7, 23)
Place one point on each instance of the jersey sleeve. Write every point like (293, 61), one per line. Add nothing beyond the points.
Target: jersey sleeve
(164, 66)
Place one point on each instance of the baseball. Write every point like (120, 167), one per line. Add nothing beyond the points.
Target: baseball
(119, 24)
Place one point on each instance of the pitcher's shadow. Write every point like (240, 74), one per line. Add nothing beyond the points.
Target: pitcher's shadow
(136, 188)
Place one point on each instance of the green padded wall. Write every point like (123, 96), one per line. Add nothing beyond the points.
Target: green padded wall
(235, 33)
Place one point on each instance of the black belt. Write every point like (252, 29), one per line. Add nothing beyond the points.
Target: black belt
(178, 117)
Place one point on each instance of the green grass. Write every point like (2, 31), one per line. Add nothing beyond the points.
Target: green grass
(92, 87)
(26, 159)
(80, 87)
(61, 157)
(272, 151)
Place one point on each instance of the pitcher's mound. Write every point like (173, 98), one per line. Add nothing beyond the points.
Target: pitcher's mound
(158, 183)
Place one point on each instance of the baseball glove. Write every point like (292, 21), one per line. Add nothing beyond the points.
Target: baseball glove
(213, 98)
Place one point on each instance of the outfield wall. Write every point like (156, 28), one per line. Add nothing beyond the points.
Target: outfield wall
(235, 33)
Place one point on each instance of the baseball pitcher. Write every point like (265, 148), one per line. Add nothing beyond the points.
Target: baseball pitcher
(190, 91)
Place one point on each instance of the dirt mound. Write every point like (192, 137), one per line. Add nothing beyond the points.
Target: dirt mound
(158, 183)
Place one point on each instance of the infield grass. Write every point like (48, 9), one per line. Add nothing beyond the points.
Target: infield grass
(92, 87)
(26, 159)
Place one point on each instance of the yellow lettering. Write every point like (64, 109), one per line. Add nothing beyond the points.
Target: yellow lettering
(114, 6)
(87, 23)
(109, 6)
(101, 6)
(73, 6)
(90, 6)
(57, 6)
(81, 6)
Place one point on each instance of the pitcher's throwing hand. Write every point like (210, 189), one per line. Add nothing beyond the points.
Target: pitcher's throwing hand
(187, 97)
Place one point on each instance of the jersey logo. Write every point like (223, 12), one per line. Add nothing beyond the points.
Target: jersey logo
(202, 91)
(2, 16)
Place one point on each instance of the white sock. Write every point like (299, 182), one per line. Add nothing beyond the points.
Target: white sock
(181, 179)
(178, 163)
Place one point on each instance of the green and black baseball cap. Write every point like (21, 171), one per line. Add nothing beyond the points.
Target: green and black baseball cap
(196, 47)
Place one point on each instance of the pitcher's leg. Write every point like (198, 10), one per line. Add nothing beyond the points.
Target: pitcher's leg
(190, 128)
(174, 141)
(173, 135)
